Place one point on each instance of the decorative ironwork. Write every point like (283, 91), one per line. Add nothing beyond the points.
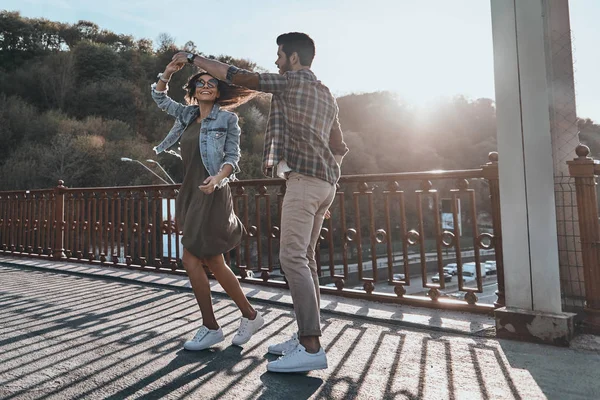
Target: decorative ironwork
(434, 294)
(448, 239)
(390, 230)
(400, 290)
(471, 298)
(485, 241)
(412, 237)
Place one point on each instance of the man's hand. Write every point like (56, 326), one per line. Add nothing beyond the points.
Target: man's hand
(210, 184)
(215, 68)
(327, 214)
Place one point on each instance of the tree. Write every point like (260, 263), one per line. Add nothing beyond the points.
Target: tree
(19, 40)
(56, 79)
(87, 30)
(166, 43)
(21, 123)
(144, 46)
(95, 62)
(109, 98)
(76, 93)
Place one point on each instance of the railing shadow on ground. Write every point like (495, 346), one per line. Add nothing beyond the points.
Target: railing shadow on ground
(124, 341)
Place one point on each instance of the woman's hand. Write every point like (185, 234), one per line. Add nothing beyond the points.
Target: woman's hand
(173, 67)
(181, 57)
(210, 184)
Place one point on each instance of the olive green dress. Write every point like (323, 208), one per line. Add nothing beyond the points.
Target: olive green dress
(208, 222)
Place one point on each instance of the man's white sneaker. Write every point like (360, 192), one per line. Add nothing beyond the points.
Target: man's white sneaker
(298, 360)
(285, 347)
(248, 327)
(204, 339)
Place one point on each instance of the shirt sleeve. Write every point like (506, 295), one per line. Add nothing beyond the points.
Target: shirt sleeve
(232, 144)
(242, 77)
(272, 83)
(166, 103)
(336, 139)
(264, 82)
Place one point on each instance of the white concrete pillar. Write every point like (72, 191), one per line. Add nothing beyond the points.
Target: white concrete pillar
(526, 168)
(565, 138)
(561, 84)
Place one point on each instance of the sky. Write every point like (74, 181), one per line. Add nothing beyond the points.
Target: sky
(422, 50)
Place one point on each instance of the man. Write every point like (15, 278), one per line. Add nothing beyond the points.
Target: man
(304, 145)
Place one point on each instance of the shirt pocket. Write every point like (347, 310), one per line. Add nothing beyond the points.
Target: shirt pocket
(217, 136)
(217, 131)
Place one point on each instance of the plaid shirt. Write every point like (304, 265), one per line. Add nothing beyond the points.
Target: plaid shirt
(303, 128)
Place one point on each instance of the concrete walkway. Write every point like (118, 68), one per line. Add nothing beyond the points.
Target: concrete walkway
(417, 317)
(65, 336)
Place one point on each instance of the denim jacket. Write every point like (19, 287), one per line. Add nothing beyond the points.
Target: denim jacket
(219, 133)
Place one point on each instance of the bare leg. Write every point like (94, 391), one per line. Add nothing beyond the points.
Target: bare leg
(229, 282)
(201, 287)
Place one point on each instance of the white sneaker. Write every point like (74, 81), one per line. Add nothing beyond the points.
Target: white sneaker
(204, 339)
(285, 347)
(298, 360)
(247, 329)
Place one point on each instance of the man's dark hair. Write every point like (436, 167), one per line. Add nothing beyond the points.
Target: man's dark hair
(299, 43)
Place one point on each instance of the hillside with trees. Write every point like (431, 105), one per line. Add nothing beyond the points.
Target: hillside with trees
(75, 98)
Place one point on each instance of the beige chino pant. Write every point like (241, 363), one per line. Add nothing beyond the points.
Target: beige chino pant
(304, 204)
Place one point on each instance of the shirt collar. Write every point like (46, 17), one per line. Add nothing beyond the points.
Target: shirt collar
(215, 110)
(213, 113)
(305, 74)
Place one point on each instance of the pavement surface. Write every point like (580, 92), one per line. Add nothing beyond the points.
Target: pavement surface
(66, 336)
(411, 316)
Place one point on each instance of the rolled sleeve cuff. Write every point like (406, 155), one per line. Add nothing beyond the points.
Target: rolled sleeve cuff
(223, 182)
(231, 71)
(236, 168)
(153, 86)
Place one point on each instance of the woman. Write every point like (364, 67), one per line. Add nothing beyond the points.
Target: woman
(209, 139)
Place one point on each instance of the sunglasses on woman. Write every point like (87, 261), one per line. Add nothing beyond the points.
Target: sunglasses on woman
(211, 83)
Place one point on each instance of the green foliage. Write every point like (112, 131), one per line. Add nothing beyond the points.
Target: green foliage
(95, 62)
(75, 98)
(21, 122)
(110, 98)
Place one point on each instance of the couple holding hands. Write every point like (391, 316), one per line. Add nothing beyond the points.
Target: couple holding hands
(303, 144)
